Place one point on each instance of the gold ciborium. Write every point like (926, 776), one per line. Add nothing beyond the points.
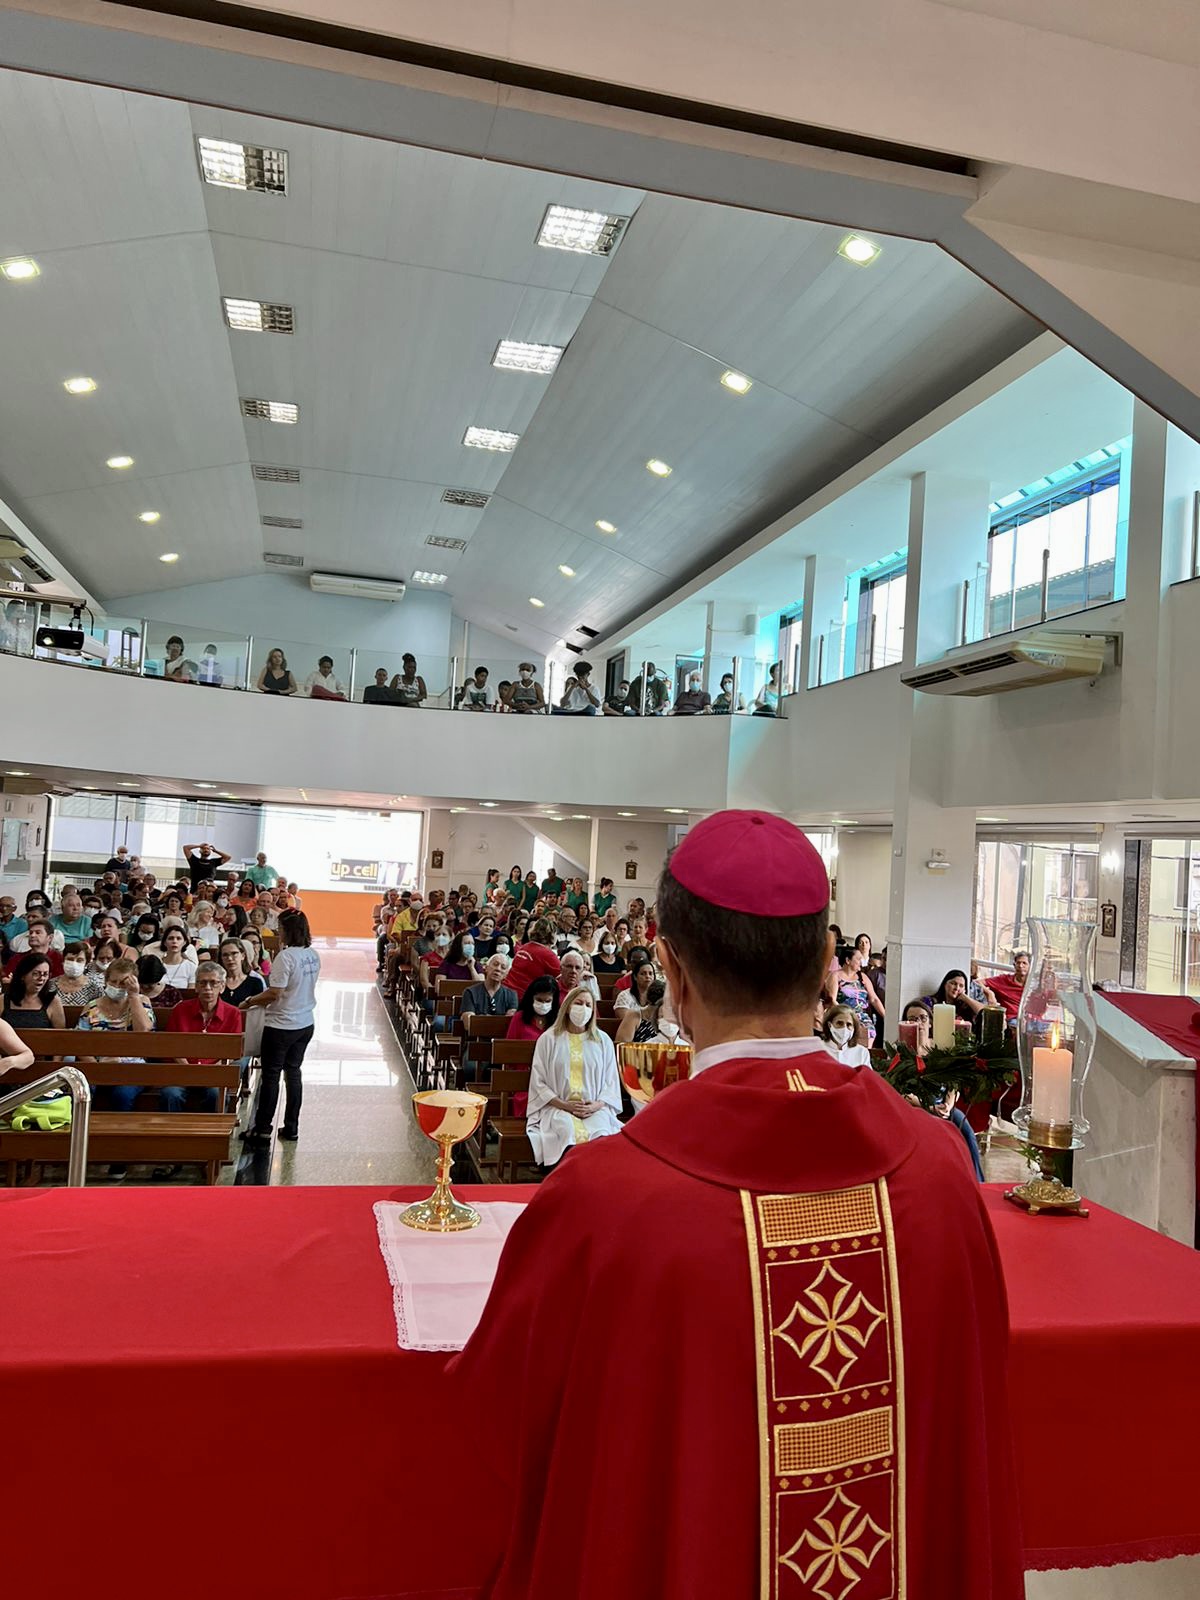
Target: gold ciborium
(446, 1116)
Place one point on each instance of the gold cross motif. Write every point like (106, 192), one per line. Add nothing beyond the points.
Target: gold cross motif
(837, 1550)
(835, 1323)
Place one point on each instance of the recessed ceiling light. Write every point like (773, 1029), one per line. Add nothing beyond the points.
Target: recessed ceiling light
(844, 822)
(567, 572)
(79, 385)
(204, 786)
(586, 233)
(858, 250)
(128, 783)
(627, 813)
(169, 556)
(270, 410)
(490, 439)
(660, 469)
(118, 463)
(89, 787)
(429, 577)
(737, 382)
(534, 601)
(512, 355)
(606, 527)
(16, 772)
(243, 166)
(258, 316)
(991, 819)
(676, 811)
(490, 804)
(149, 516)
(454, 810)
(19, 269)
(580, 816)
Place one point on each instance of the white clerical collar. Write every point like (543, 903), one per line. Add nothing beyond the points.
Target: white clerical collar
(753, 1050)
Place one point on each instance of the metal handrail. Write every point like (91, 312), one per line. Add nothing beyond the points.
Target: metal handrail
(77, 1086)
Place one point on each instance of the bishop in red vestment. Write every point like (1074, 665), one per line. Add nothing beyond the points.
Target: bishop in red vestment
(753, 1347)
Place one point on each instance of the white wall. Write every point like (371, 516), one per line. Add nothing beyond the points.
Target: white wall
(284, 606)
(864, 868)
(632, 839)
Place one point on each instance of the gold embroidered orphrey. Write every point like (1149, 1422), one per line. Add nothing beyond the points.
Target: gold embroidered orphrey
(830, 1394)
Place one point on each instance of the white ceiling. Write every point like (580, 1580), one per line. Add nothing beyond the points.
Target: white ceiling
(405, 267)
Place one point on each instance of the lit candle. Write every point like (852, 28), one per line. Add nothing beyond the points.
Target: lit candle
(943, 1027)
(1051, 1083)
(910, 1035)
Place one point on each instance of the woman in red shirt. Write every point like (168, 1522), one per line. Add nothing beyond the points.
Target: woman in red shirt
(536, 959)
(537, 1011)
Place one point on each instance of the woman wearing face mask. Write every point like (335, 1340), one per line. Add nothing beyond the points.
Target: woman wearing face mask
(525, 696)
(574, 1086)
(536, 1012)
(31, 1000)
(122, 1008)
(144, 932)
(838, 1031)
(78, 986)
(460, 960)
(431, 964)
(607, 957)
(723, 705)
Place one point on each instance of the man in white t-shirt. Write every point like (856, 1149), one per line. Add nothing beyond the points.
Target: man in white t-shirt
(324, 684)
(580, 698)
(476, 695)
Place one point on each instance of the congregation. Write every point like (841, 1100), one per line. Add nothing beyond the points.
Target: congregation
(201, 954)
(537, 952)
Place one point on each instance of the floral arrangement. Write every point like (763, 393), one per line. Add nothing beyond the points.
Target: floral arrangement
(976, 1072)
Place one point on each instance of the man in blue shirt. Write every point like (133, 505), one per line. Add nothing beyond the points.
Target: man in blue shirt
(10, 923)
(71, 921)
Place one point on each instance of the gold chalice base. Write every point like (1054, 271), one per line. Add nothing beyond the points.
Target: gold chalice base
(1047, 1194)
(447, 1116)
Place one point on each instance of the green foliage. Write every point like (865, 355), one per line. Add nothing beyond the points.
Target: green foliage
(975, 1071)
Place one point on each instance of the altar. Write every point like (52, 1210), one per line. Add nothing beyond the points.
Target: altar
(1140, 1156)
(210, 1381)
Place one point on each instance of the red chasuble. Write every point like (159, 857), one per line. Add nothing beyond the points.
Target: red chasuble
(752, 1348)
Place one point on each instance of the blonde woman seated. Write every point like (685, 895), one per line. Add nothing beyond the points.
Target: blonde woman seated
(202, 924)
(574, 1086)
(840, 1032)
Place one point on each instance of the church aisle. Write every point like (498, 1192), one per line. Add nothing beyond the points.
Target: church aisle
(356, 1126)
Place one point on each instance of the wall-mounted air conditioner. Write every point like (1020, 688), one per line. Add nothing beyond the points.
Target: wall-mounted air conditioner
(357, 588)
(1042, 656)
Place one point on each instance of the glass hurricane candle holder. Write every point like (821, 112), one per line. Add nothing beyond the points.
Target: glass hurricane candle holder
(1056, 1038)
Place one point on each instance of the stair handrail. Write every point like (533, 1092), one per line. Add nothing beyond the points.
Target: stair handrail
(80, 1090)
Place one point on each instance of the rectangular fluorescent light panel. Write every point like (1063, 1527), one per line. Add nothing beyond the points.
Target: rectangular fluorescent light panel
(270, 410)
(258, 316)
(278, 558)
(282, 522)
(585, 233)
(474, 498)
(490, 439)
(439, 543)
(514, 356)
(276, 474)
(243, 166)
(429, 577)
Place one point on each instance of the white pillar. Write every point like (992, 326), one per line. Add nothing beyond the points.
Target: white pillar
(594, 861)
(1110, 882)
(824, 595)
(929, 920)
(730, 632)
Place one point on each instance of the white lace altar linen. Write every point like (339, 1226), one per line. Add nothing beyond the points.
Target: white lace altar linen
(441, 1281)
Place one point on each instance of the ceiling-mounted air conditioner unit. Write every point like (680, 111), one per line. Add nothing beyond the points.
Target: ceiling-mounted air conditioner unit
(357, 588)
(1043, 656)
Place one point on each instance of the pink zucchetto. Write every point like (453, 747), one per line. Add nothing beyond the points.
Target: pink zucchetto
(753, 862)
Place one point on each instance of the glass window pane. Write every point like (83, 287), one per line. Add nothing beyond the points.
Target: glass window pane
(1102, 532)
(1068, 537)
(1000, 563)
(1032, 538)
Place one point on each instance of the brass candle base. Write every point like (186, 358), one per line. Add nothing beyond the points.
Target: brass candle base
(1049, 1195)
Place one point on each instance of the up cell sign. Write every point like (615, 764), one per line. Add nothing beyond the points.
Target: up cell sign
(354, 871)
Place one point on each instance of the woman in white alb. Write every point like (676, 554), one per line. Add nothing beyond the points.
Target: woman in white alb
(288, 1024)
(574, 1087)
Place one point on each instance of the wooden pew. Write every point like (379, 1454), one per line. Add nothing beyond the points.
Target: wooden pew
(134, 1136)
(513, 1149)
(478, 1033)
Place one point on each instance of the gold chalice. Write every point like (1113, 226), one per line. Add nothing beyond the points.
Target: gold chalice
(447, 1116)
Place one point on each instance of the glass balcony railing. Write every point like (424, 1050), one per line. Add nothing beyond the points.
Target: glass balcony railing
(264, 663)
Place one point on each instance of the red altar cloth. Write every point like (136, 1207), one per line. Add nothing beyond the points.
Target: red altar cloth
(206, 1383)
(1175, 1019)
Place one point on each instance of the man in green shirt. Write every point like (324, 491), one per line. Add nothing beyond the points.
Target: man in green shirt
(71, 921)
(261, 875)
(553, 884)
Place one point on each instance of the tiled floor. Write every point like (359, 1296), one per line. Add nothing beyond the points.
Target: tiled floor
(356, 1125)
